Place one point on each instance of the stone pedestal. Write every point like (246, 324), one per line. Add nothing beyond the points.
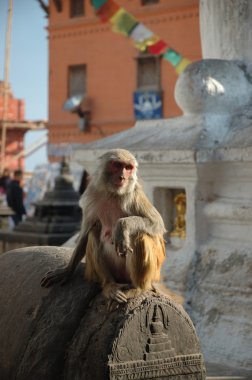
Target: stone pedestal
(68, 332)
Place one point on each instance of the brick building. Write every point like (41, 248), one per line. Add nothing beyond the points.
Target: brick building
(96, 74)
(15, 127)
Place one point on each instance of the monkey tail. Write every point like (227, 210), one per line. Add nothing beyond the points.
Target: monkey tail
(146, 260)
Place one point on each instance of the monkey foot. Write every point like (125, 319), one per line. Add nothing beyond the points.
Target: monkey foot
(60, 276)
(116, 298)
(116, 295)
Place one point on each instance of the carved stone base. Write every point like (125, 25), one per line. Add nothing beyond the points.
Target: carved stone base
(67, 332)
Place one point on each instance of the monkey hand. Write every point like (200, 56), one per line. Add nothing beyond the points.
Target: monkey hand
(115, 294)
(60, 276)
(122, 239)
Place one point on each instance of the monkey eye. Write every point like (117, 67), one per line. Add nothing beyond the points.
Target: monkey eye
(129, 167)
(117, 164)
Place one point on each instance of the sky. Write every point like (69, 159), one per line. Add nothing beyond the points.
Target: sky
(28, 75)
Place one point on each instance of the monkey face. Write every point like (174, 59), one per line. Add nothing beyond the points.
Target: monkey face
(120, 173)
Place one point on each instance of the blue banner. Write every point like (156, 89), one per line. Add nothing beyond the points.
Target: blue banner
(148, 105)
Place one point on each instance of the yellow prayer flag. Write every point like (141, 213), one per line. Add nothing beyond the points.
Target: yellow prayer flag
(182, 65)
(116, 16)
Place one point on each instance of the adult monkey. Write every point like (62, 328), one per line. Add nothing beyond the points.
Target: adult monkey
(121, 233)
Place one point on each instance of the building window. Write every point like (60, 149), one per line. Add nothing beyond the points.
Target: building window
(148, 2)
(148, 73)
(77, 8)
(77, 80)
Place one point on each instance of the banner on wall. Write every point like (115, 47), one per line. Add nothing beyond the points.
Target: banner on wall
(148, 105)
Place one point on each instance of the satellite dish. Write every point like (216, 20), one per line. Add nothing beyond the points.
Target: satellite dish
(72, 104)
(81, 105)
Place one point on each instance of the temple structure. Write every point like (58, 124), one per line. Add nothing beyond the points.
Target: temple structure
(56, 217)
(206, 154)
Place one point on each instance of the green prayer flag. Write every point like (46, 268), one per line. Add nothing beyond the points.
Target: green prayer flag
(98, 3)
(123, 22)
(172, 56)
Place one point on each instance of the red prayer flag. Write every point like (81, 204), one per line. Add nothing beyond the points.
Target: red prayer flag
(158, 48)
(107, 10)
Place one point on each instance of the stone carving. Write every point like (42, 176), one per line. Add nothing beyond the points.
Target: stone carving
(158, 344)
(176, 368)
(158, 353)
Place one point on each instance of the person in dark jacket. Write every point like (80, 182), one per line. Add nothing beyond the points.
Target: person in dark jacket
(4, 181)
(15, 196)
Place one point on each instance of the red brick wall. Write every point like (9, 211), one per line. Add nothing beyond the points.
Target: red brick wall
(16, 109)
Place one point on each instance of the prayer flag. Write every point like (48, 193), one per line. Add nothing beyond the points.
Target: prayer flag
(98, 3)
(123, 22)
(144, 39)
(141, 33)
(172, 56)
(107, 10)
(157, 48)
(143, 46)
(182, 65)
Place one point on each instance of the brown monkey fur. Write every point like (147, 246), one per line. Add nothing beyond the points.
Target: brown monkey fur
(121, 234)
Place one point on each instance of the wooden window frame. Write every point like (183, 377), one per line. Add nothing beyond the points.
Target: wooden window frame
(71, 68)
(154, 86)
(73, 12)
(149, 2)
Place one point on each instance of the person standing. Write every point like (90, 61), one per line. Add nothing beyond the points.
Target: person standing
(4, 181)
(15, 197)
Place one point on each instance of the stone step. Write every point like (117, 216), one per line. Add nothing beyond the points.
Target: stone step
(220, 372)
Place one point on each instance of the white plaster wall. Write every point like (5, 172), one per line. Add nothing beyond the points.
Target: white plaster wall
(219, 296)
(225, 27)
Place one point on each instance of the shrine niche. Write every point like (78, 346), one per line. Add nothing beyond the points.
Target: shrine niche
(171, 203)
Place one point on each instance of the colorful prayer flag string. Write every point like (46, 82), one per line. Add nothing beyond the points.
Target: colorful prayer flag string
(123, 22)
(143, 38)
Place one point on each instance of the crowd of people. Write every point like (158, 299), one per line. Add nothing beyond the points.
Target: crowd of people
(11, 190)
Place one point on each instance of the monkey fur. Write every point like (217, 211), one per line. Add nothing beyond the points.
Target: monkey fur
(121, 235)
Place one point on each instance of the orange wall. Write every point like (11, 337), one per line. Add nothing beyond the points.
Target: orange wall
(111, 64)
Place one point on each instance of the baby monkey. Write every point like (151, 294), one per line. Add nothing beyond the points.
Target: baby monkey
(121, 234)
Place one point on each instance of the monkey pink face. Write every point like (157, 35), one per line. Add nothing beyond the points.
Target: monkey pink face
(120, 172)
